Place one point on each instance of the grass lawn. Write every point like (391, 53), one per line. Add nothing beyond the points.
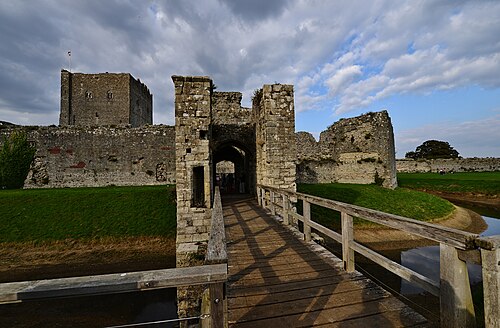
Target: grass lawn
(38, 215)
(486, 183)
(401, 201)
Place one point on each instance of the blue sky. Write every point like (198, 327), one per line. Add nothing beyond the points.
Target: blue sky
(433, 65)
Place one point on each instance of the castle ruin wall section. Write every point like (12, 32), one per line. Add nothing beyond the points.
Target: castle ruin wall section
(473, 164)
(227, 110)
(100, 156)
(355, 150)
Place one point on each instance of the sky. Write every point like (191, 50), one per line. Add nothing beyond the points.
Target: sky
(433, 65)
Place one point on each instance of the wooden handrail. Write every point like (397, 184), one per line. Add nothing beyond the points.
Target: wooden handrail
(216, 248)
(453, 287)
(112, 283)
(452, 237)
(216, 253)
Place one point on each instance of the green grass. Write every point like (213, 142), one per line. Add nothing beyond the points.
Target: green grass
(401, 201)
(486, 183)
(86, 213)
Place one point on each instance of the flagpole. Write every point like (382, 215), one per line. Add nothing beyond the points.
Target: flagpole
(69, 59)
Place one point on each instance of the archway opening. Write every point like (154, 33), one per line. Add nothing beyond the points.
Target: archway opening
(234, 169)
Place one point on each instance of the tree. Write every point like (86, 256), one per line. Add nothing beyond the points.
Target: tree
(16, 156)
(432, 149)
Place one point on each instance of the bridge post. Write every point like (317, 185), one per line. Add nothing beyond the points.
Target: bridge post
(271, 200)
(264, 200)
(307, 219)
(285, 210)
(457, 309)
(217, 305)
(490, 259)
(347, 239)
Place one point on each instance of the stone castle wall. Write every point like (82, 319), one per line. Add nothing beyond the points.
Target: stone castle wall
(449, 165)
(101, 156)
(227, 110)
(104, 99)
(354, 150)
(274, 115)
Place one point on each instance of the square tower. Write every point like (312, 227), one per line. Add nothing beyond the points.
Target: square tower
(104, 99)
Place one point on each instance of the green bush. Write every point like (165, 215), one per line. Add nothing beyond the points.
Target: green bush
(16, 156)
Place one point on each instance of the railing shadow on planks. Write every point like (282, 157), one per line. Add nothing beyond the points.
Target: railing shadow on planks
(213, 274)
(456, 248)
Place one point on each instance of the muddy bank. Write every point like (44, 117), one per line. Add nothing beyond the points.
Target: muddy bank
(491, 202)
(29, 261)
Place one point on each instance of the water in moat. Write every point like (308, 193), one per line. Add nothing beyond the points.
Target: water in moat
(137, 307)
(425, 260)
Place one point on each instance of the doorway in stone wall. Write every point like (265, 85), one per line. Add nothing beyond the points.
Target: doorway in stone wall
(234, 169)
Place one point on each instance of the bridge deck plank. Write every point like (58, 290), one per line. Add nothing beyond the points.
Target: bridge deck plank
(275, 280)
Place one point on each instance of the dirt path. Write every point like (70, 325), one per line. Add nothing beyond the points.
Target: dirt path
(68, 258)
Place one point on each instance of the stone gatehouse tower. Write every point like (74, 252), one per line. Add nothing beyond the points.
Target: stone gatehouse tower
(211, 127)
(104, 99)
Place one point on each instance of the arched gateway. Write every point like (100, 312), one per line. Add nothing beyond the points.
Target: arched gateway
(212, 127)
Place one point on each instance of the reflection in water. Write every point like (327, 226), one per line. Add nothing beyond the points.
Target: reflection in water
(425, 260)
(93, 311)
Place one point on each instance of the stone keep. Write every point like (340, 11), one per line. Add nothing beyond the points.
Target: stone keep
(104, 99)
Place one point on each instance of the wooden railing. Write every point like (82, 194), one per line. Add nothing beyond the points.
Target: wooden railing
(214, 300)
(456, 248)
(213, 274)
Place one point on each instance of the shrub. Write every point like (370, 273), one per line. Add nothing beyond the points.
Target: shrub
(16, 156)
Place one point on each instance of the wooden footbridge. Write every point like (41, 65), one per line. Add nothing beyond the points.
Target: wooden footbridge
(261, 273)
(276, 280)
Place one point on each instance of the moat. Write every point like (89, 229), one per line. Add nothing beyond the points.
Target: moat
(110, 310)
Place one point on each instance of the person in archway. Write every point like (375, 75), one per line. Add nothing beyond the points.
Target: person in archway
(242, 184)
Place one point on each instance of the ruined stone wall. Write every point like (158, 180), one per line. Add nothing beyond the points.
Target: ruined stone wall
(449, 165)
(355, 150)
(103, 100)
(227, 110)
(274, 114)
(101, 156)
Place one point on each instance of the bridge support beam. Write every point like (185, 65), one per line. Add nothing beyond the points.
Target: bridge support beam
(457, 309)
(347, 239)
(491, 282)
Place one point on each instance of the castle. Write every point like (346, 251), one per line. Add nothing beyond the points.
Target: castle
(105, 138)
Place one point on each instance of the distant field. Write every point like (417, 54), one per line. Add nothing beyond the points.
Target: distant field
(404, 202)
(86, 213)
(487, 183)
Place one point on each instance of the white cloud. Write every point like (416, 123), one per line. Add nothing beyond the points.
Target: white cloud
(340, 56)
(471, 138)
(342, 78)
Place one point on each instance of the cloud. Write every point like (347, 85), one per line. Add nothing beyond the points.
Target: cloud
(257, 9)
(340, 56)
(471, 138)
(342, 78)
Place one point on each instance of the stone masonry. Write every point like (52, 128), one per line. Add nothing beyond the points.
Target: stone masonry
(193, 179)
(473, 164)
(104, 99)
(76, 156)
(354, 150)
(274, 113)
